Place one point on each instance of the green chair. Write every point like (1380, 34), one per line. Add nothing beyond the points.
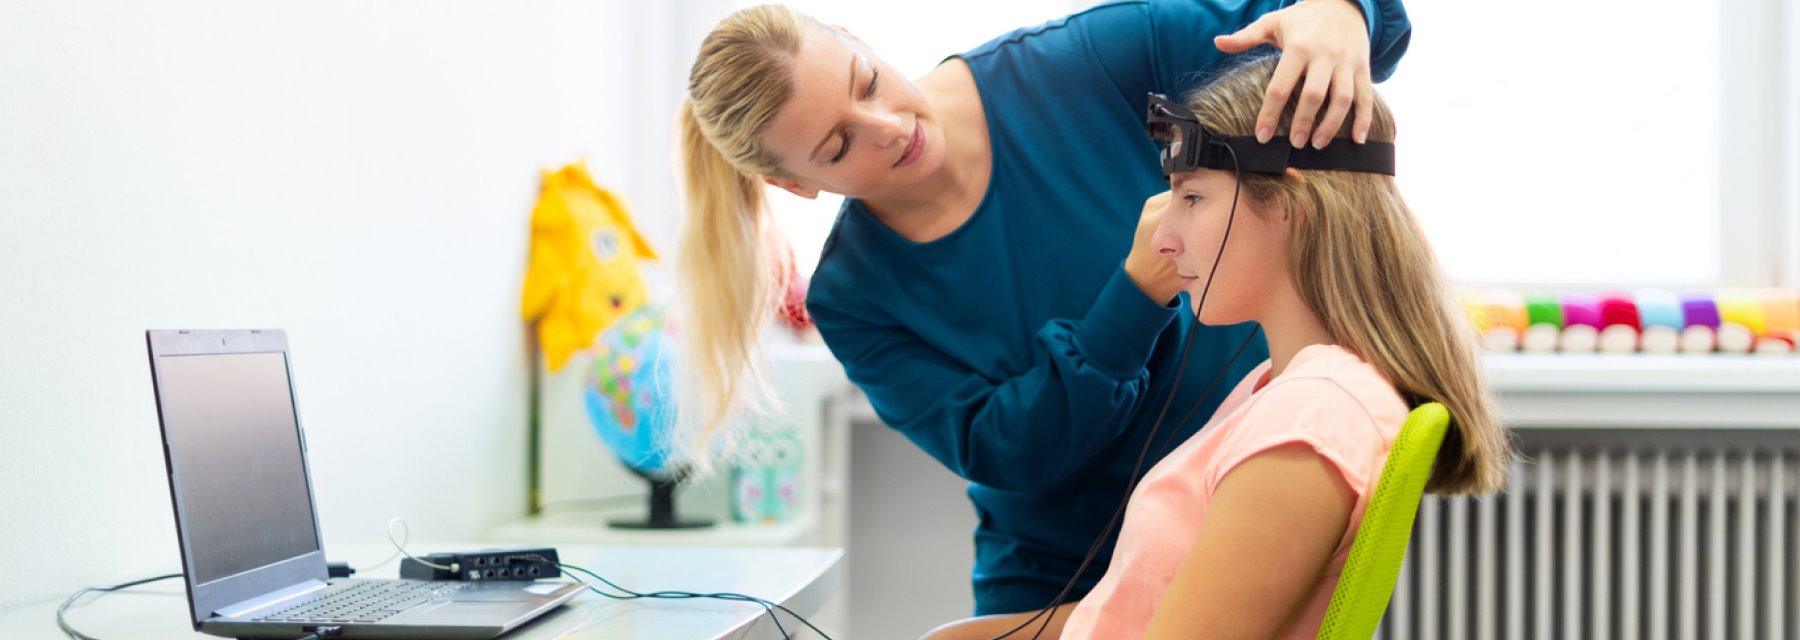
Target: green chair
(1373, 565)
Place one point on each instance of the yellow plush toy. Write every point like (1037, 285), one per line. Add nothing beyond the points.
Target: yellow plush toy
(584, 263)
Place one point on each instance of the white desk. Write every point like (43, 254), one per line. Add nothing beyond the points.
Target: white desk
(800, 579)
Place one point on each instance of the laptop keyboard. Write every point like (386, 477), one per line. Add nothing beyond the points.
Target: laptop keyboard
(364, 601)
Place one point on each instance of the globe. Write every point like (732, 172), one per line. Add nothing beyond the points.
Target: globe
(628, 389)
(630, 403)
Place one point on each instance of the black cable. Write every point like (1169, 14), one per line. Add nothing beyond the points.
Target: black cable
(77, 635)
(1238, 175)
(1156, 426)
(768, 606)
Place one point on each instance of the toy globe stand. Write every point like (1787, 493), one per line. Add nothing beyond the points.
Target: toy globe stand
(662, 506)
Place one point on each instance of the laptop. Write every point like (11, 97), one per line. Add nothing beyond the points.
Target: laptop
(251, 552)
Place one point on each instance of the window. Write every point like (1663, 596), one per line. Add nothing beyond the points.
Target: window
(1549, 143)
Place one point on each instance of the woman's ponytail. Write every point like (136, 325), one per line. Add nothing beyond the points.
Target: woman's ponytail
(728, 267)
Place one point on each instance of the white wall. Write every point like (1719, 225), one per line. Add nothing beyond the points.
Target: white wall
(359, 174)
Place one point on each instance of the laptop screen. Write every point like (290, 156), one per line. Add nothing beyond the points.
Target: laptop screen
(234, 451)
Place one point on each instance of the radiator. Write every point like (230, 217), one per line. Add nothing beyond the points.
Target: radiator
(1679, 541)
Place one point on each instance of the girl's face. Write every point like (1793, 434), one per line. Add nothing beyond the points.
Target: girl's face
(1253, 268)
(854, 125)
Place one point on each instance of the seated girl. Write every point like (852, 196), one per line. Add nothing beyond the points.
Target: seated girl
(1242, 530)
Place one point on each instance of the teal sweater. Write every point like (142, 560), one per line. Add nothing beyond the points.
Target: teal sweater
(1015, 350)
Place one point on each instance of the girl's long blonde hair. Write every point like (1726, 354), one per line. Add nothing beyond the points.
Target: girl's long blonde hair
(731, 263)
(1359, 259)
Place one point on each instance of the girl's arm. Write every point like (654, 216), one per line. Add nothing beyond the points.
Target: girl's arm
(1273, 524)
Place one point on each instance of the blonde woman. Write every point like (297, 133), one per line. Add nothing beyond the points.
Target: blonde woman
(989, 282)
(1241, 531)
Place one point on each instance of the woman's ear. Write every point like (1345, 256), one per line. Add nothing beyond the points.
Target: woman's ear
(793, 186)
(846, 33)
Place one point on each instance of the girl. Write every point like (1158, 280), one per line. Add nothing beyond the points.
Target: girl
(993, 204)
(1240, 532)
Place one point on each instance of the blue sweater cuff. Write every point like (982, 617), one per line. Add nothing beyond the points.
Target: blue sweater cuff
(1121, 329)
(1372, 17)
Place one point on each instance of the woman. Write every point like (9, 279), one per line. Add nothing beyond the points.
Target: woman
(992, 210)
(1242, 530)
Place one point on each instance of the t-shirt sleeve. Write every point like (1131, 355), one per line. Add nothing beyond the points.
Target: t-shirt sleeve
(1316, 413)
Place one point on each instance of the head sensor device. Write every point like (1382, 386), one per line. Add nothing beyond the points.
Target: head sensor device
(1186, 146)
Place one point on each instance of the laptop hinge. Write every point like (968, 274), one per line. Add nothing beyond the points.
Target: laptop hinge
(241, 609)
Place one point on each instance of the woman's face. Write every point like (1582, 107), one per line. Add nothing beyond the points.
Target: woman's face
(854, 125)
(1254, 264)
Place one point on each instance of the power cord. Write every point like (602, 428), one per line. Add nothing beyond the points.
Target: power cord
(768, 606)
(77, 635)
(400, 545)
(321, 633)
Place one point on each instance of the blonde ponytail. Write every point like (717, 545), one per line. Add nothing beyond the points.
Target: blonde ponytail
(730, 264)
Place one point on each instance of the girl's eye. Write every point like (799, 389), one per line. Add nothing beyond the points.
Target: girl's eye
(1191, 199)
(874, 76)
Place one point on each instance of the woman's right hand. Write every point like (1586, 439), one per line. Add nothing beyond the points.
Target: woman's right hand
(1152, 272)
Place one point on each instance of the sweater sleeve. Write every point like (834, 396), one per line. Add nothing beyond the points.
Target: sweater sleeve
(1166, 46)
(1024, 432)
(1389, 33)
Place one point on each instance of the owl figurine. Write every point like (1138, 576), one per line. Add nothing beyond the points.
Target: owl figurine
(765, 486)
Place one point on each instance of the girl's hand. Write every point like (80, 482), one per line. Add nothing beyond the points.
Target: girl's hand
(1152, 272)
(1326, 42)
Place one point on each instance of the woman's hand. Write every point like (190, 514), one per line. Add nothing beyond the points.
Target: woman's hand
(1152, 272)
(1326, 42)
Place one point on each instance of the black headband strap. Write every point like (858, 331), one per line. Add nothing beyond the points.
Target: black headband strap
(1277, 155)
(1187, 146)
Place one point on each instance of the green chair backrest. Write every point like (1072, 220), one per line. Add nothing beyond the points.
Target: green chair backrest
(1373, 565)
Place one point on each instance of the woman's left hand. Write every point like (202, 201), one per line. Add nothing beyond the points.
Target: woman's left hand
(1326, 44)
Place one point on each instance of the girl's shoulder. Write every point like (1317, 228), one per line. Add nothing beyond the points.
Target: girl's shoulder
(1328, 389)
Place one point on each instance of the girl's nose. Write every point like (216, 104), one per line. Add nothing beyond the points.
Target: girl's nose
(1165, 241)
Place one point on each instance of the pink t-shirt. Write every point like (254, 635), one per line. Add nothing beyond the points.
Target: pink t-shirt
(1327, 399)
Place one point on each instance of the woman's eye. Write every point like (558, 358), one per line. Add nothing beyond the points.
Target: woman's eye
(874, 76)
(1191, 199)
(842, 150)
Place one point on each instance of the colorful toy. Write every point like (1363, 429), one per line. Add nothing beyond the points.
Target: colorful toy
(1781, 310)
(1735, 338)
(1541, 337)
(1579, 338)
(765, 487)
(1698, 339)
(1544, 308)
(583, 273)
(1581, 309)
(1731, 321)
